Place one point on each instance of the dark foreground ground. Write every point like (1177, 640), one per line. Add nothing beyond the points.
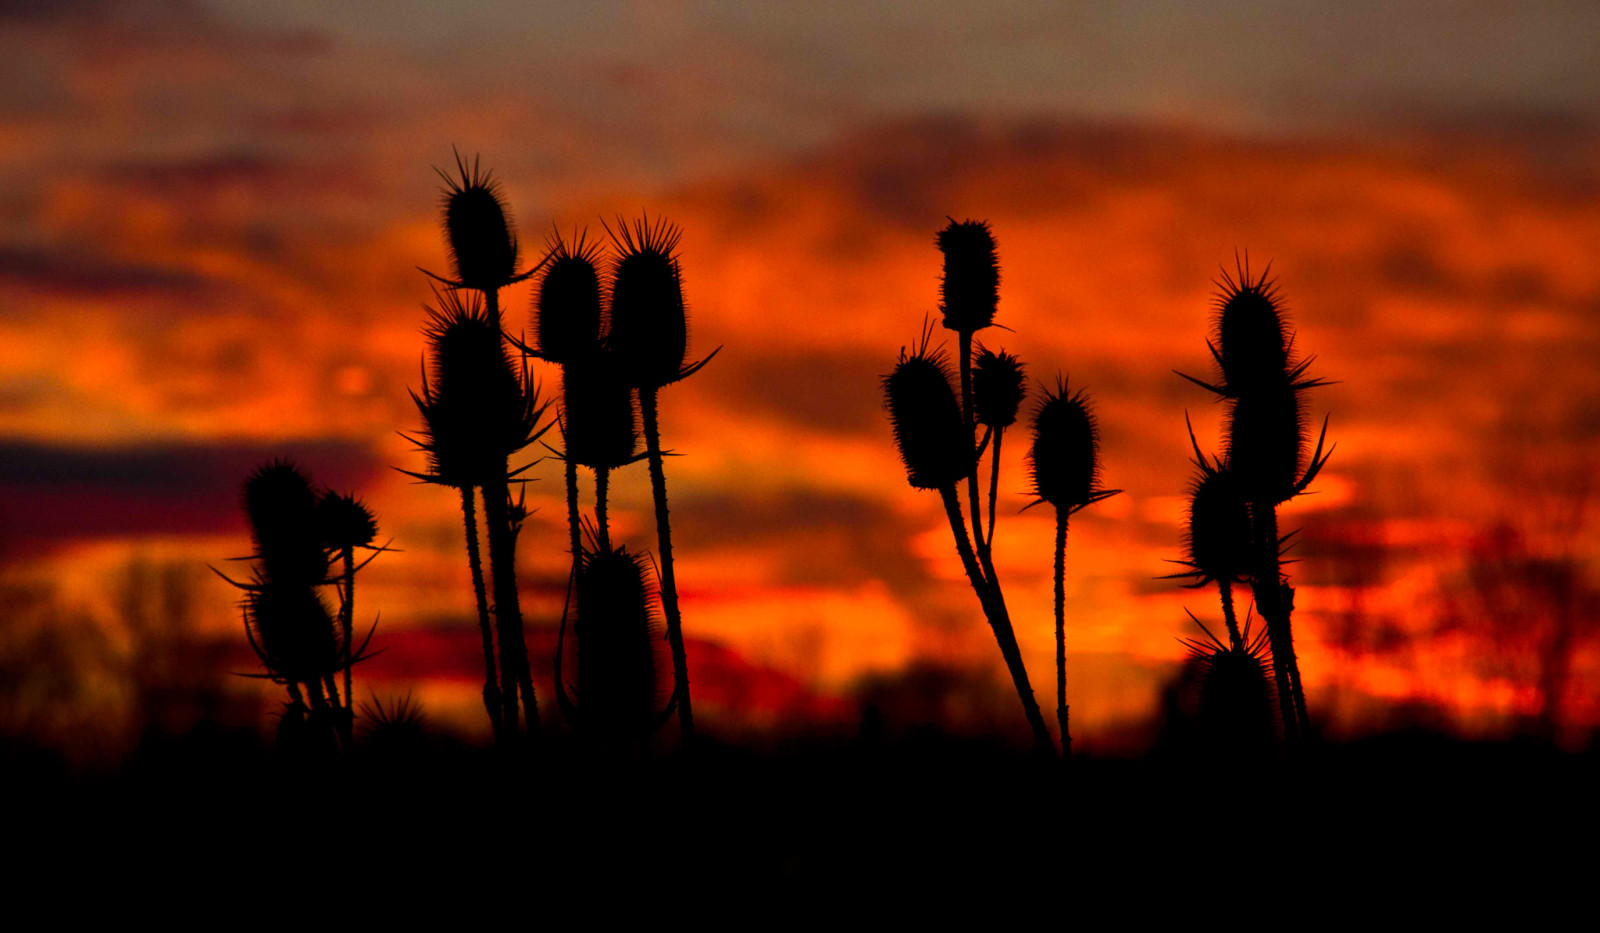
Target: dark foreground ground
(1408, 818)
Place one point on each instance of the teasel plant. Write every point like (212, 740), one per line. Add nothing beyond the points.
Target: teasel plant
(648, 338)
(617, 702)
(935, 446)
(286, 620)
(480, 235)
(480, 408)
(1064, 465)
(1236, 695)
(347, 525)
(1263, 381)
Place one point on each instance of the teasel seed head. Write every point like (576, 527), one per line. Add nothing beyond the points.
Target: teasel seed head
(649, 330)
(567, 312)
(970, 290)
(1238, 706)
(1217, 541)
(478, 408)
(1266, 443)
(345, 522)
(926, 417)
(998, 388)
(478, 230)
(597, 413)
(1253, 343)
(1064, 461)
(619, 687)
(292, 631)
(281, 504)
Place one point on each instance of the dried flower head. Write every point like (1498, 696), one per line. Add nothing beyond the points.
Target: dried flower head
(478, 231)
(1064, 461)
(567, 313)
(1266, 442)
(970, 290)
(998, 388)
(619, 667)
(1217, 541)
(649, 324)
(1237, 700)
(598, 416)
(345, 522)
(292, 631)
(926, 417)
(281, 504)
(1252, 339)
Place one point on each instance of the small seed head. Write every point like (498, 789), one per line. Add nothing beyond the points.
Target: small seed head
(1065, 458)
(598, 413)
(970, 290)
(567, 315)
(281, 504)
(1251, 334)
(927, 420)
(293, 629)
(345, 522)
(649, 324)
(478, 230)
(619, 667)
(1218, 540)
(998, 388)
(1267, 441)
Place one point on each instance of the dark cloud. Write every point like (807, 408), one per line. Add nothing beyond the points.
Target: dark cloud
(54, 493)
(77, 274)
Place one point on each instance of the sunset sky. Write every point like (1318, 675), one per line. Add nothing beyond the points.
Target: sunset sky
(212, 214)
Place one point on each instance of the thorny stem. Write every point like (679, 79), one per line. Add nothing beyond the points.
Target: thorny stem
(1268, 585)
(1225, 589)
(972, 473)
(508, 608)
(491, 685)
(348, 619)
(1061, 632)
(669, 582)
(994, 609)
(994, 488)
(602, 488)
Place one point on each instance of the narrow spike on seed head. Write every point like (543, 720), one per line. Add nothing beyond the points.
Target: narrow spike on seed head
(478, 229)
(970, 290)
(567, 311)
(926, 417)
(998, 388)
(1064, 461)
(649, 323)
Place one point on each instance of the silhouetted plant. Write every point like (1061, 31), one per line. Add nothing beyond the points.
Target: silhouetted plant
(1235, 708)
(1265, 452)
(479, 234)
(1064, 463)
(935, 444)
(346, 524)
(618, 693)
(998, 389)
(1217, 541)
(649, 335)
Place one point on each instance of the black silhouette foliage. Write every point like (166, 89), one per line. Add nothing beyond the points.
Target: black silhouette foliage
(970, 290)
(926, 417)
(649, 324)
(567, 311)
(998, 388)
(619, 669)
(478, 231)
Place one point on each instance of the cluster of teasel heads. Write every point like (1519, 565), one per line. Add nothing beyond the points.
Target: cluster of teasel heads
(936, 430)
(1232, 537)
(614, 321)
(305, 540)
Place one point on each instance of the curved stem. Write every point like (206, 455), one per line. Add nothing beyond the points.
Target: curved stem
(994, 608)
(508, 608)
(1061, 632)
(994, 488)
(972, 472)
(491, 684)
(1225, 590)
(348, 617)
(1268, 585)
(669, 580)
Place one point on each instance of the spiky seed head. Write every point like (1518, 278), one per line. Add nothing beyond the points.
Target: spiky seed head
(598, 413)
(281, 504)
(970, 290)
(478, 230)
(567, 315)
(345, 521)
(998, 388)
(1217, 544)
(926, 417)
(649, 324)
(1237, 702)
(1064, 461)
(293, 631)
(478, 409)
(1253, 343)
(619, 682)
(1267, 441)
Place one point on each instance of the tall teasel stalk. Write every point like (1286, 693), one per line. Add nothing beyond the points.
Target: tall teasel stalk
(287, 622)
(935, 446)
(479, 409)
(649, 338)
(1064, 463)
(346, 524)
(1264, 382)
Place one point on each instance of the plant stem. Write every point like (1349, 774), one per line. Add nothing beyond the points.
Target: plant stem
(1268, 586)
(669, 580)
(972, 473)
(994, 488)
(1225, 589)
(491, 685)
(1061, 632)
(508, 608)
(573, 521)
(994, 609)
(602, 489)
(349, 622)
